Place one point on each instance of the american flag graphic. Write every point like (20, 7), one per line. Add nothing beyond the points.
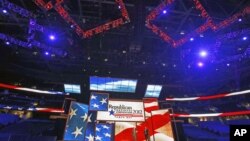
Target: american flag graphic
(98, 102)
(162, 127)
(104, 132)
(150, 104)
(90, 132)
(124, 131)
(92, 116)
(156, 127)
(77, 122)
(33, 108)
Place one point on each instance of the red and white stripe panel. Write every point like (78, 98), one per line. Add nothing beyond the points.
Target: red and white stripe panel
(150, 104)
(46, 110)
(247, 112)
(50, 110)
(162, 127)
(124, 131)
(13, 87)
(157, 129)
(209, 97)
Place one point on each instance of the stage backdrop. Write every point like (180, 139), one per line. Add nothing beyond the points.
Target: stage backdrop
(162, 125)
(125, 131)
(77, 122)
(122, 111)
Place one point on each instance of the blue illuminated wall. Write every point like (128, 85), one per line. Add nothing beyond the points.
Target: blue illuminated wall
(153, 91)
(69, 88)
(112, 84)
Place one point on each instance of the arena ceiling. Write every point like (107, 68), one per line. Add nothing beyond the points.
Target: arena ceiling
(130, 50)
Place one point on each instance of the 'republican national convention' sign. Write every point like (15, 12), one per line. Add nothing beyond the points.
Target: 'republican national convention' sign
(122, 111)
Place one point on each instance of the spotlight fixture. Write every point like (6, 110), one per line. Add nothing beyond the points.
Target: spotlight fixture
(52, 37)
(4, 11)
(182, 32)
(200, 64)
(203, 53)
(7, 43)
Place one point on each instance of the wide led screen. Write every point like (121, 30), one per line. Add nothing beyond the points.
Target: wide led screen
(153, 91)
(70, 88)
(112, 84)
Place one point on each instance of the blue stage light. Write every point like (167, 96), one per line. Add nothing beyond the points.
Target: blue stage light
(52, 37)
(200, 64)
(244, 38)
(7, 43)
(4, 11)
(46, 53)
(203, 53)
(191, 39)
(164, 11)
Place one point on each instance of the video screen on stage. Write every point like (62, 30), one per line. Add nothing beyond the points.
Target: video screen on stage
(112, 84)
(72, 88)
(153, 91)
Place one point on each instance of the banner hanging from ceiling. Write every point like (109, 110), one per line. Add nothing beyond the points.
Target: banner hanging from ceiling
(119, 110)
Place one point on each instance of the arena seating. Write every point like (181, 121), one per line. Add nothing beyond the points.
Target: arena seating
(238, 122)
(211, 130)
(196, 133)
(215, 127)
(4, 137)
(28, 127)
(22, 137)
(6, 119)
(26, 130)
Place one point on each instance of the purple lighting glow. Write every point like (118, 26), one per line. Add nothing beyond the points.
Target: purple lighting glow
(164, 11)
(244, 38)
(51, 37)
(239, 19)
(191, 39)
(46, 53)
(200, 64)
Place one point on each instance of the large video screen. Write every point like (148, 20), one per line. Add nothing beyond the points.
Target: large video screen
(153, 91)
(112, 84)
(71, 88)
